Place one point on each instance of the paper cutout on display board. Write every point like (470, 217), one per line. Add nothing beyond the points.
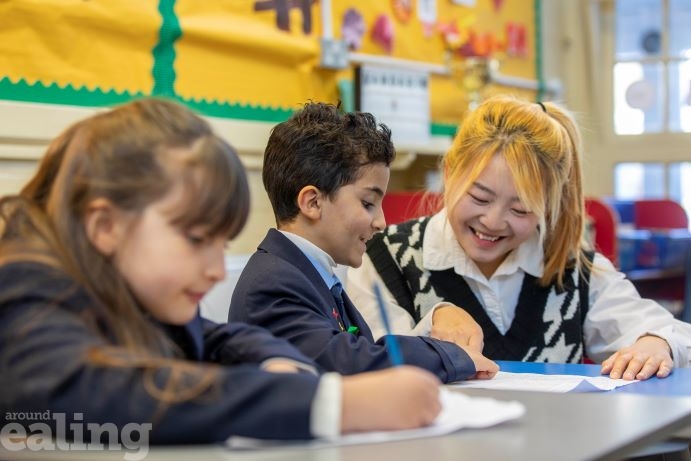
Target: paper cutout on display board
(427, 14)
(479, 44)
(283, 9)
(402, 9)
(353, 29)
(641, 95)
(516, 40)
(383, 33)
(239, 59)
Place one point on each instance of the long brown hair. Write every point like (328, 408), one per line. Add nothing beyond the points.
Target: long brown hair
(542, 147)
(132, 155)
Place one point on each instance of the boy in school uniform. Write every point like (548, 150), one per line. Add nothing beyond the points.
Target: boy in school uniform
(326, 173)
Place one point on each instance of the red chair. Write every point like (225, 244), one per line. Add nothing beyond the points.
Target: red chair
(402, 206)
(659, 214)
(605, 222)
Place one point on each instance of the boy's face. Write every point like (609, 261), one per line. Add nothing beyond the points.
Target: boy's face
(353, 216)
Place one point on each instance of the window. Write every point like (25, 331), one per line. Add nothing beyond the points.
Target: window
(654, 180)
(652, 66)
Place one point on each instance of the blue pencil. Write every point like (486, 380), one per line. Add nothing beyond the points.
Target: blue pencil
(395, 355)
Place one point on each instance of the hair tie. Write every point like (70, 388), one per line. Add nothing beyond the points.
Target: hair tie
(544, 109)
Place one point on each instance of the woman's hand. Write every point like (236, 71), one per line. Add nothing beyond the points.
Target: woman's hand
(452, 323)
(649, 355)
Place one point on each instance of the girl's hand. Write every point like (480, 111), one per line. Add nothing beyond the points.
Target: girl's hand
(277, 365)
(452, 323)
(649, 355)
(402, 397)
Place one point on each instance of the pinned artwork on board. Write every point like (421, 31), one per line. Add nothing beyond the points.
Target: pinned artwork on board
(516, 40)
(282, 9)
(456, 33)
(402, 10)
(383, 32)
(353, 29)
(427, 13)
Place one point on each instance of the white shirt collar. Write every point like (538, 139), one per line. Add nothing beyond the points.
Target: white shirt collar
(441, 251)
(320, 259)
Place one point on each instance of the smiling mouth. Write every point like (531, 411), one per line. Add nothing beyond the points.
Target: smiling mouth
(195, 296)
(485, 237)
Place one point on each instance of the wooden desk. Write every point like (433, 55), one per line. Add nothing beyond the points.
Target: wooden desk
(565, 427)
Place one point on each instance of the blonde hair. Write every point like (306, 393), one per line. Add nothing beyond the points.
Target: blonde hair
(542, 147)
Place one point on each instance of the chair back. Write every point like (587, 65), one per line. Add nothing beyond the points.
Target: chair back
(605, 221)
(402, 206)
(659, 215)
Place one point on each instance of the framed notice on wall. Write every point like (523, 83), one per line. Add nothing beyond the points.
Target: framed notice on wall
(398, 98)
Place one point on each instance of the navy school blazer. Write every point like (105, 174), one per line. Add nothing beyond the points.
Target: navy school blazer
(279, 289)
(45, 334)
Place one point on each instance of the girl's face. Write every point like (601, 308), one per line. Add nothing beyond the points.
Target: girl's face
(490, 221)
(169, 269)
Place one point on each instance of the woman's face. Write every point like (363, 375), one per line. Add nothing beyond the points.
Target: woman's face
(490, 221)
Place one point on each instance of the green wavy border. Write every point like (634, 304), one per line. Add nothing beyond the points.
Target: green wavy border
(164, 52)
(54, 94)
(163, 73)
(237, 111)
(69, 95)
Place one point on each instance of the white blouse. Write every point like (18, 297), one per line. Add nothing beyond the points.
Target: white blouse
(616, 318)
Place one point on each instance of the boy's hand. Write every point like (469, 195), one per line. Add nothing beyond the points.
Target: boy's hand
(452, 323)
(647, 356)
(485, 368)
(402, 397)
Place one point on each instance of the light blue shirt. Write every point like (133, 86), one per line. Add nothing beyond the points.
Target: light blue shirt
(319, 258)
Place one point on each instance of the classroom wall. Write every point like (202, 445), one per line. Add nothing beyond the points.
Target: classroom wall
(569, 56)
(577, 36)
(238, 63)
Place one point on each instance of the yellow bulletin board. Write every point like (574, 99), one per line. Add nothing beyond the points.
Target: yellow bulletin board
(246, 59)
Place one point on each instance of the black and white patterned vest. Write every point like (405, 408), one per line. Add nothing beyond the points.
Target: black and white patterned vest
(547, 327)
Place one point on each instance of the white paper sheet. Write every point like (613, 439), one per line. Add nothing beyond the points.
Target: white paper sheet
(458, 411)
(545, 383)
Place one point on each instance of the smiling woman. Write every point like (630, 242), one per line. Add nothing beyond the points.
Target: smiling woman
(508, 253)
